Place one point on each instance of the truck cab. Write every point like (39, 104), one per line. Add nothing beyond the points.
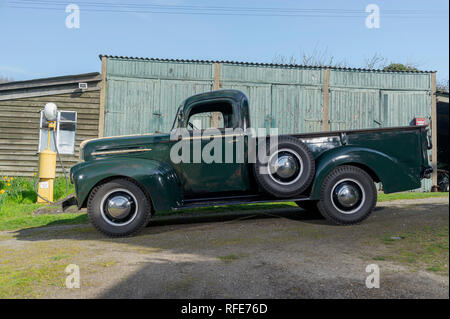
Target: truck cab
(196, 116)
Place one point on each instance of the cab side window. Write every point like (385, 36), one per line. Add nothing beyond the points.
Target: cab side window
(206, 120)
(215, 115)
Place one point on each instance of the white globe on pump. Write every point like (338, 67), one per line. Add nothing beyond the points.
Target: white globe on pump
(50, 111)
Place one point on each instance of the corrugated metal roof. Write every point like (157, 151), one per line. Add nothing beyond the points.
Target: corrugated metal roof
(257, 64)
(59, 80)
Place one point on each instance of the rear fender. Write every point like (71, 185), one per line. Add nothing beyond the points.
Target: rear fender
(394, 175)
(158, 179)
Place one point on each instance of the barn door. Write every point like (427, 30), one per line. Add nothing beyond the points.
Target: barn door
(296, 109)
(399, 108)
(130, 106)
(354, 109)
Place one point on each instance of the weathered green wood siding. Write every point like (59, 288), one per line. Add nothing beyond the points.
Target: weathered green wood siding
(143, 96)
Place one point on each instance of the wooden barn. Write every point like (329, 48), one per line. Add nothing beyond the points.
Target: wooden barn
(20, 103)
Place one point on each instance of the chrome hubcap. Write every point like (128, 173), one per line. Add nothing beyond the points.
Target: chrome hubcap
(347, 196)
(285, 166)
(119, 207)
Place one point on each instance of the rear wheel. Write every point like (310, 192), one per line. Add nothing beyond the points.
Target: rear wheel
(119, 208)
(347, 196)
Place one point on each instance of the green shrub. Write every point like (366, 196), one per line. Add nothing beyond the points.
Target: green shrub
(20, 190)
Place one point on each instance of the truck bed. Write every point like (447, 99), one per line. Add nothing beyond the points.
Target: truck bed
(368, 130)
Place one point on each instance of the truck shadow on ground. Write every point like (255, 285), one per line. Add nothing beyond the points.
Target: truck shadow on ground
(260, 277)
(165, 223)
(232, 263)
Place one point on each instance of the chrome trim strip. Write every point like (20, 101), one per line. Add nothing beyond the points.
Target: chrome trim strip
(206, 136)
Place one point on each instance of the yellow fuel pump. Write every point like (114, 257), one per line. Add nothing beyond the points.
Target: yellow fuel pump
(47, 169)
(47, 158)
(57, 121)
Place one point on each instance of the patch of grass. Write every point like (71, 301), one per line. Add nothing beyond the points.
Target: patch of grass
(409, 195)
(18, 201)
(18, 216)
(426, 249)
(59, 257)
(228, 258)
(21, 282)
(379, 258)
(387, 240)
(26, 272)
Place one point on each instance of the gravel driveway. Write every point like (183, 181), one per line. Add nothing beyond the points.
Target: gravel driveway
(283, 253)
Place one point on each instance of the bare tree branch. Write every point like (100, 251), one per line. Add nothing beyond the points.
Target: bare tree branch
(376, 61)
(317, 57)
(442, 85)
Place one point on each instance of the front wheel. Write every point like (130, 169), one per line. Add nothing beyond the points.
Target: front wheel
(119, 208)
(347, 196)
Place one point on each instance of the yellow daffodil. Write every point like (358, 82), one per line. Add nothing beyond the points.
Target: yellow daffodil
(8, 184)
(2, 191)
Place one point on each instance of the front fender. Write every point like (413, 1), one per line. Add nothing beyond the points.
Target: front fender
(158, 179)
(394, 175)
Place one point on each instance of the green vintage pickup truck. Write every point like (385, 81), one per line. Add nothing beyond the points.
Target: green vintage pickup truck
(124, 180)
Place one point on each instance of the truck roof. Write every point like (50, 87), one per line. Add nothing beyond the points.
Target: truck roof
(235, 95)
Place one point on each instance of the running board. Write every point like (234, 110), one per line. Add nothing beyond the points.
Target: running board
(235, 200)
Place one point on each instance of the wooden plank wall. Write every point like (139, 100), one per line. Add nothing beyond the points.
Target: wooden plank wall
(19, 129)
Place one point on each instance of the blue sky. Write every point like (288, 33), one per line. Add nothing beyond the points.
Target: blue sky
(36, 43)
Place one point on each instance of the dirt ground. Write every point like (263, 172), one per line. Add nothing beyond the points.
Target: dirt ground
(284, 253)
